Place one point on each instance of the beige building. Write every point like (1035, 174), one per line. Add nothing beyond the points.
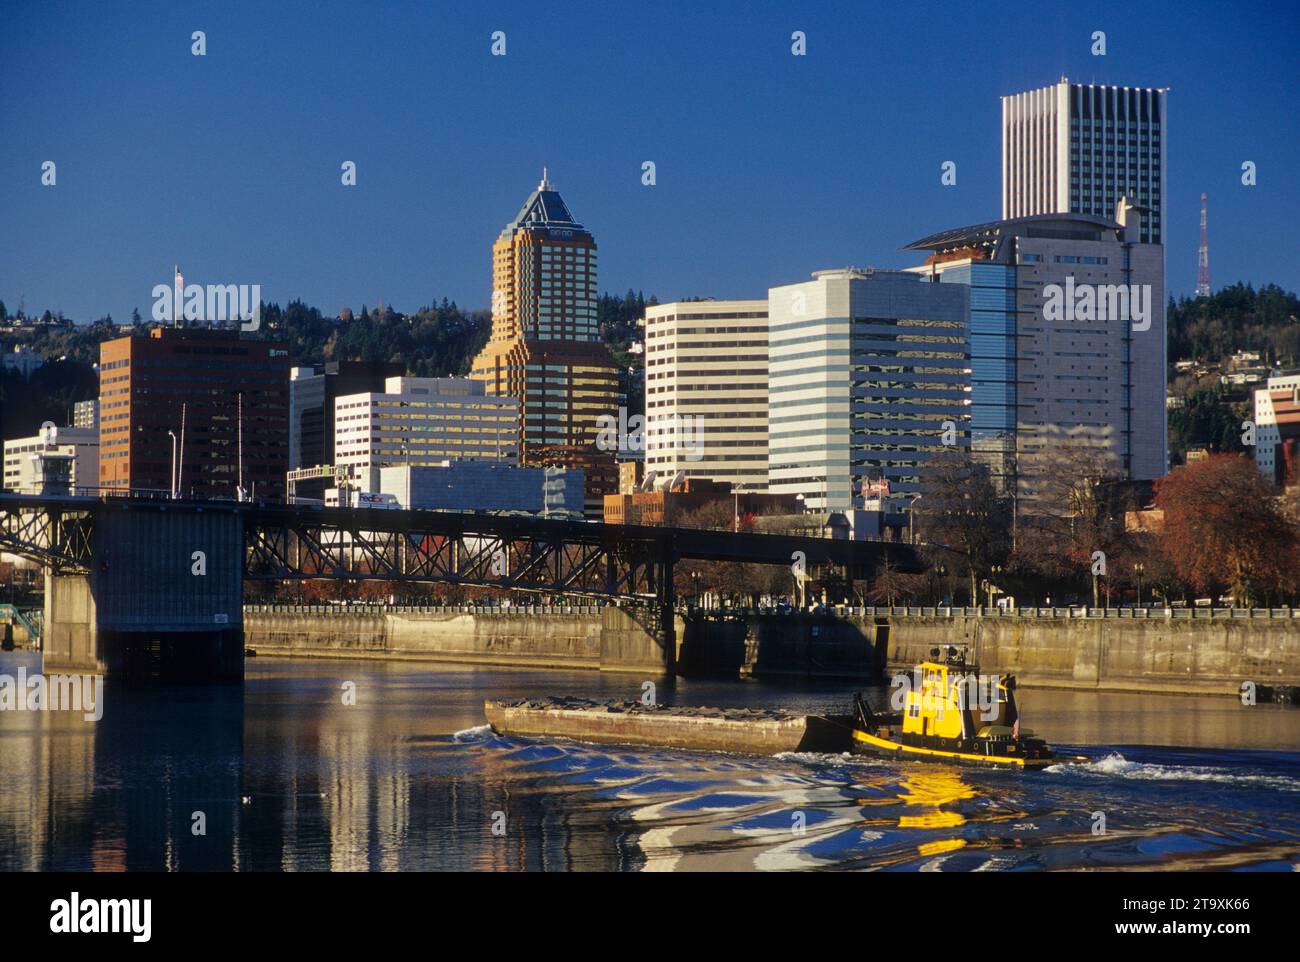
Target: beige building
(21, 466)
(545, 347)
(706, 391)
(422, 421)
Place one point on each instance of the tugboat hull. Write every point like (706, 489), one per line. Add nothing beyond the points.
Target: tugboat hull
(865, 743)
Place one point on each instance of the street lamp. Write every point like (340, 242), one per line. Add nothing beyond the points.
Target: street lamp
(1138, 569)
(911, 518)
(995, 570)
(173, 437)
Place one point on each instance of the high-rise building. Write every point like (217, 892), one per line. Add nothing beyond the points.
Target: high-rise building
(312, 393)
(1091, 373)
(422, 421)
(225, 399)
(545, 346)
(706, 391)
(869, 377)
(1078, 148)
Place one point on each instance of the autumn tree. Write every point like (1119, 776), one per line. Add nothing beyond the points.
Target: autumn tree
(1223, 529)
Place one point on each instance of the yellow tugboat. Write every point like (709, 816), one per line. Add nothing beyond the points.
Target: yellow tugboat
(944, 719)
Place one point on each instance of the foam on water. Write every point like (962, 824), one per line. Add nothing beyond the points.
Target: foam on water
(476, 734)
(1117, 765)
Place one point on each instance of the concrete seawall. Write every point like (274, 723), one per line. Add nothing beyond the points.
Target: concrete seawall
(1142, 654)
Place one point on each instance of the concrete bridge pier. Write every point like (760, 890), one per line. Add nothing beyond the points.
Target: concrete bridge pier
(163, 598)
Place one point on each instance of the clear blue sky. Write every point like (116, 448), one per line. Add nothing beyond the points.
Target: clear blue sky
(769, 166)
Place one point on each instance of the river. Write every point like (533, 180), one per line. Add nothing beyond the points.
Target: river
(282, 774)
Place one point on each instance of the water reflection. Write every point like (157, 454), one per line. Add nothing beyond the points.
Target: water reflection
(288, 777)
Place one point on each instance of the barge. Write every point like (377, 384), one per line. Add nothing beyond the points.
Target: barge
(751, 731)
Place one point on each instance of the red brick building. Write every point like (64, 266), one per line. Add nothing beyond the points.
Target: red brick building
(208, 387)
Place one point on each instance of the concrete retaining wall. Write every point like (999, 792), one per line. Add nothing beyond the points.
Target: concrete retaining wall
(1094, 653)
(499, 638)
(1111, 654)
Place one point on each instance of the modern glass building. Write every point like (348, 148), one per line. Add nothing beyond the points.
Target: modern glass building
(1079, 148)
(869, 377)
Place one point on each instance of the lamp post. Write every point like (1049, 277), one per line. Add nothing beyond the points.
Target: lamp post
(911, 518)
(173, 491)
(995, 570)
(1138, 569)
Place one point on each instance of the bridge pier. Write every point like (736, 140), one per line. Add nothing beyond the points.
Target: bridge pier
(163, 598)
(633, 640)
(70, 638)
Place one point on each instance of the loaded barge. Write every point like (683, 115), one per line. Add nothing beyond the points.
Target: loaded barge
(950, 715)
(751, 731)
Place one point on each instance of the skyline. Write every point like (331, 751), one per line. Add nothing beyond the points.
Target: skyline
(233, 170)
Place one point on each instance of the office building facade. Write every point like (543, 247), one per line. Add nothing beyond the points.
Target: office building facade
(224, 398)
(492, 486)
(422, 421)
(312, 393)
(868, 379)
(1078, 148)
(85, 414)
(545, 348)
(1043, 379)
(706, 391)
(23, 471)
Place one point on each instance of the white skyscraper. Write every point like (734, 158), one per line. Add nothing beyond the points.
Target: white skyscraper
(1079, 148)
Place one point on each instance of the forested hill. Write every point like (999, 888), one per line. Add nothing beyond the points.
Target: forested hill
(435, 341)
(1236, 318)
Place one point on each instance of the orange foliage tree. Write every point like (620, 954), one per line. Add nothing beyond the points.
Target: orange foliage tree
(1222, 529)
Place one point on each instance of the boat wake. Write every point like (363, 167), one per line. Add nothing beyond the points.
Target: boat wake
(1116, 765)
(478, 733)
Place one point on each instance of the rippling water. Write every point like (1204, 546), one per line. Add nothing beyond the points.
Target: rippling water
(284, 776)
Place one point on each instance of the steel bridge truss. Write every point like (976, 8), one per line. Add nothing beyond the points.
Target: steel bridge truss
(57, 537)
(498, 555)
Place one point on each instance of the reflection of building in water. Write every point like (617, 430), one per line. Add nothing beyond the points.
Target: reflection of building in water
(120, 793)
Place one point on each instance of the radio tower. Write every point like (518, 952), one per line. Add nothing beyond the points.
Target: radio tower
(1203, 258)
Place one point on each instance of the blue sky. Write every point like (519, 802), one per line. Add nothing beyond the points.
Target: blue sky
(769, 166)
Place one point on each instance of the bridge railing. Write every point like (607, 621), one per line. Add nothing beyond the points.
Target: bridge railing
(383, 609)
(1031, 612)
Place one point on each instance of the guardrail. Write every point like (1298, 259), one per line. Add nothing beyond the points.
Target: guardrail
(1073, 611)
(369, 609)
(842, 611)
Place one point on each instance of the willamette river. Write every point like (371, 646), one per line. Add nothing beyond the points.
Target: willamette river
(288, 777)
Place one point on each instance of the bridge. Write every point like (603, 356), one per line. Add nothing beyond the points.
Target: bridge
(151, 585)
